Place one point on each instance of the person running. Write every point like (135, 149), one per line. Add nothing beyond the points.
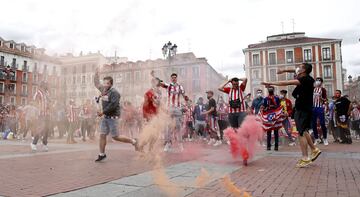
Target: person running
(42, 100)
(287, 110)
(174, 92)
(303, 94)
(110, 113)
(342, 112)
(237, 109)
(320, 100)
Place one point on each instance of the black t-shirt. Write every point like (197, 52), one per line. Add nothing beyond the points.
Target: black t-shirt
(342, 106)
(303, 94)
(212, 103)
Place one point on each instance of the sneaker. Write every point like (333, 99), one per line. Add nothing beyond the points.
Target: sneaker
(211, 141)
(45, 148)
(100, 158)
(276, 149)
(268, 148)
(326, 142)
(292, 144)
(33, 147)
(302, 163)
(167, 147)
(217, 143)
(317, 141)
(315, 154)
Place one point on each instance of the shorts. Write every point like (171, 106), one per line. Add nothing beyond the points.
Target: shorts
(109, 126)
(236, 119)
(302, 121)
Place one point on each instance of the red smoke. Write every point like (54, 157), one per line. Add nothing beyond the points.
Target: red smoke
(244, 140)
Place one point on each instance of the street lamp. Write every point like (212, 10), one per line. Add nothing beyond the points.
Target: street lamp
(169, 50)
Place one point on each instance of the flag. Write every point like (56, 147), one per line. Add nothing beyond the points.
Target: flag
(272, 119)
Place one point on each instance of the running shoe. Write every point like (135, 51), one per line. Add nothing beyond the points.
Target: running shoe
(315, 154)
(302, 163)
(100, 158)
(33, 147)
(326, 142)
(218, 143)
(167, 147)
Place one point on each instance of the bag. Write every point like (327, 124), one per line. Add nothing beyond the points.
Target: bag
(235, 103)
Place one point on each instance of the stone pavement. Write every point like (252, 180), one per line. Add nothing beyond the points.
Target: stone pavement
(72, 172)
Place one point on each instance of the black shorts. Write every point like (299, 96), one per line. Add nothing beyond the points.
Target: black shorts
(302, 121)
(235, 119)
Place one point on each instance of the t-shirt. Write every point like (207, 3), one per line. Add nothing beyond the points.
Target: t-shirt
(342, 106)
(212, 103)
(234, 94)
(303, 94)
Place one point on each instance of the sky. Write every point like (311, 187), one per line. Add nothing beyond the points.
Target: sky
(216, 30)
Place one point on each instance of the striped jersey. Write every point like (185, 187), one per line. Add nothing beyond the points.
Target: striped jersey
(72, 113)
(222, 112)
(42, 99)
(174, 91)
(234, 94)
(319, 97)
(189, 113)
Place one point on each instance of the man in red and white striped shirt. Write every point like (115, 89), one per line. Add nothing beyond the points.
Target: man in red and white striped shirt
(237, 108)
(42, 101)
(72, 118)
(319, 102)
(173, 92)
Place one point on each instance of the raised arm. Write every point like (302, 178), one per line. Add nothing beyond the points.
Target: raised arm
(282, 83)
(221, 87)
(97, 81)
(289, 70)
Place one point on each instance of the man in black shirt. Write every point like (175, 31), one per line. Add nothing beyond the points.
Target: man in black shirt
(303, 94)
(211, 120)
(342, 113)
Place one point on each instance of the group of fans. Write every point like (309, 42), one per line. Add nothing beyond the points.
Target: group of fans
(203, 120)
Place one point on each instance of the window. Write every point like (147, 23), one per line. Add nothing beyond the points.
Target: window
(13, 64)
(329, 90)
(84, 68)
(64, 71)
(12, 88)
(326, 53)
(256, 60)
(272, 58)
(23, 101)
(45, 69)
(74, 69)
(327, 71)
(289, 56)
(307, 55)
(35, 67)
(24, 77)
(137, 76)
(54, 70)
(25, 65)
(196, 71)
(12, 100)
(2, 88)
(83, 79)
(2, 61)
(256, 74)
(273, 75)
(74, 79)
(128, 76)
(35, 78)
(24, 90)
(196, 85)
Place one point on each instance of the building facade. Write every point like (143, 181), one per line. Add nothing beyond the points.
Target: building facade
(77, 74)
(283, 51)
(22, 67)
(132, 79)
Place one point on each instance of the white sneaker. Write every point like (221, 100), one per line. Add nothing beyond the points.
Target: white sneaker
(316, 142)
(167, 147)
(217, 143)
(292, 144)
(326, 142)
(211, 141)
(45, 148)
(33, 147)
(228, 142)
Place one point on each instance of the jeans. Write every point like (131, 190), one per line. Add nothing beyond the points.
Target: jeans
(109, 126)
(318, 112)
(276, 135)
(287, 126)
(199, 124)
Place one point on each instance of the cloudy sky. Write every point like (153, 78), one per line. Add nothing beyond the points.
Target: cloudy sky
(215, 29)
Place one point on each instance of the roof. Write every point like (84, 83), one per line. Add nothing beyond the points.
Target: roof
(293, 41)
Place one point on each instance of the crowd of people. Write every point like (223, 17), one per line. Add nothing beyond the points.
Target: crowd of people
(309, 121)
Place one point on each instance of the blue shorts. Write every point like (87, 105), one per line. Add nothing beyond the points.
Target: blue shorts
(109, 125)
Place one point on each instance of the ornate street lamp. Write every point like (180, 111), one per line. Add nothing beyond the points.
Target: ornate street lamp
(169, 50)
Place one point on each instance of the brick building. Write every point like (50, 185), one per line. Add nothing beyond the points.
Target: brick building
(196, 75)
(28, 66)
(262, 60)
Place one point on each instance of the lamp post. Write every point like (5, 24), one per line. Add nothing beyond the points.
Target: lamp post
(169, 50)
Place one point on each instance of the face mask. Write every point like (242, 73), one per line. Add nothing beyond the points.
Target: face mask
(281, 96)
(317, 83)
(297, 70)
